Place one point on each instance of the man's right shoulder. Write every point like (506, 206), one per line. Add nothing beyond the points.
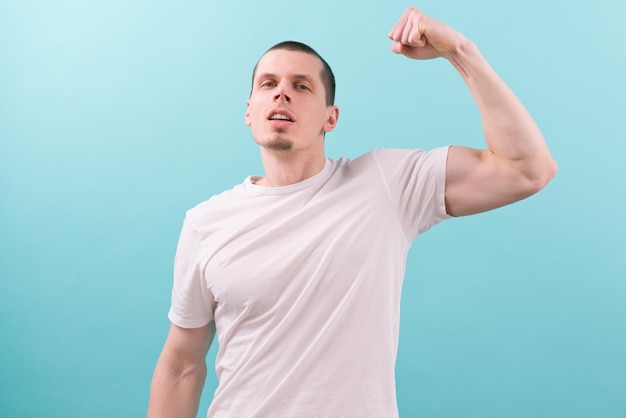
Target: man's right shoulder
(217, 206)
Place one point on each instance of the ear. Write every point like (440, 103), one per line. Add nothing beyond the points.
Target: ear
(247, 116)
(331, 118)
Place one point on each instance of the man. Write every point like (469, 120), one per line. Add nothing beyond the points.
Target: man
(300, 271)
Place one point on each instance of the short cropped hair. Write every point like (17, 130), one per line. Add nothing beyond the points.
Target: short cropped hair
(328, 78)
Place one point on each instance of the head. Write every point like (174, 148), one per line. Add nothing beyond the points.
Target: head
(327, 76)
(291, 101)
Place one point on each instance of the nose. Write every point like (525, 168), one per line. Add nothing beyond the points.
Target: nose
(282, 94)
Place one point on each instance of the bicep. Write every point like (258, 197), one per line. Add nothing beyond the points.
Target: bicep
(187, 346)
(478, 181)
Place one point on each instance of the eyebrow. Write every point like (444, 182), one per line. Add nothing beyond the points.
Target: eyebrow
(296, 77)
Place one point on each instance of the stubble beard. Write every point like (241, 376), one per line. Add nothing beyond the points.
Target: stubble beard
(278, 142)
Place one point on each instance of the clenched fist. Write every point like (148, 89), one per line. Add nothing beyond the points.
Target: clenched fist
(419, 36)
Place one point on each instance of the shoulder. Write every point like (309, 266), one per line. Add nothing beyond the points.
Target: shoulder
(220, 200)
(214, 209)
(400, 159)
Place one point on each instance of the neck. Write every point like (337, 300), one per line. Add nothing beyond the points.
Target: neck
(283, 168)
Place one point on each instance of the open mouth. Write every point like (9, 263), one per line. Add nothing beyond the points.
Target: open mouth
(280, 116)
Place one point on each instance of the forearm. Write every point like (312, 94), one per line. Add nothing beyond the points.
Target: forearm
(510, 131)
(176, 393)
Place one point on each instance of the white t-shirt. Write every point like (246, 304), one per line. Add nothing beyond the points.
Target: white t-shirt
(304, 281)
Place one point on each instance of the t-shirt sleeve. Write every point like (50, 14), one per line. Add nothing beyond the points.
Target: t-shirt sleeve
(192, 302)
(415, 181)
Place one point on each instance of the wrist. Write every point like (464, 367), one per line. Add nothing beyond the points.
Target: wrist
(461, 49)
(464, 52)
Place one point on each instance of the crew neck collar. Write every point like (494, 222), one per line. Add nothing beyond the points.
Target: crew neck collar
(321, 176)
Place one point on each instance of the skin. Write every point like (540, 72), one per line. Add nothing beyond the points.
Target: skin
(515, 164)
(180, 372)
(289, 82)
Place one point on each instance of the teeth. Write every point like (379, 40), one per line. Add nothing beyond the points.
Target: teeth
(279, 116)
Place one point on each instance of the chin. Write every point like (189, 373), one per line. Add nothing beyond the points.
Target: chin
(277, 144)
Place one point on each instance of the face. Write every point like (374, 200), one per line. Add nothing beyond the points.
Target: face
(287, 109)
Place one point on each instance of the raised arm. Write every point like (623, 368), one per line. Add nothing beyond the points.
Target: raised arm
(180, 373)
(517, 162)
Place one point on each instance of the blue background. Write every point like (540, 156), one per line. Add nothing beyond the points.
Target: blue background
(117, 116)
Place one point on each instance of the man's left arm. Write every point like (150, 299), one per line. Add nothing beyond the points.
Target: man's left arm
(517, 162)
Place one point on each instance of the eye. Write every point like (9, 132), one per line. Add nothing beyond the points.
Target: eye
(302, 87)
(268, 84)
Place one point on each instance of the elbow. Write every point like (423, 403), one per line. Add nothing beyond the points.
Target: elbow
(542, 176)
